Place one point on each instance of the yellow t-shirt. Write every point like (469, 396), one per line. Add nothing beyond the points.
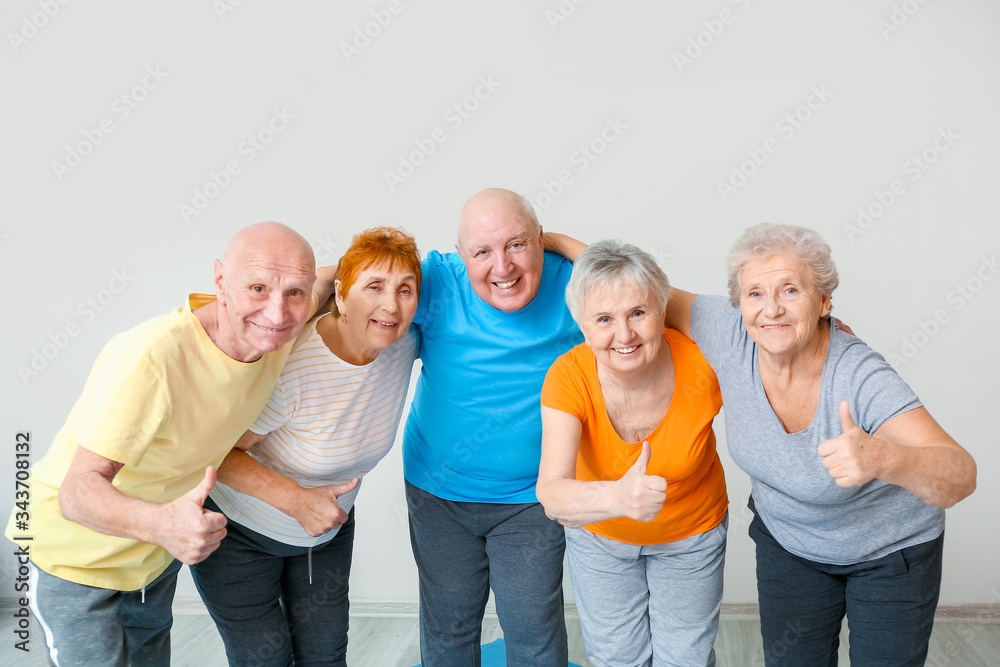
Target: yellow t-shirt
(166, 402)
(682, 445)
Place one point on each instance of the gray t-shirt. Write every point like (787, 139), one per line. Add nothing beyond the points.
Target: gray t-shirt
(795, 496)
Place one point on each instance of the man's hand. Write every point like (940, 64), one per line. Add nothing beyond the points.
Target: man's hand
(641, 495)
(853, 458)
(189, 531)
(317, 509)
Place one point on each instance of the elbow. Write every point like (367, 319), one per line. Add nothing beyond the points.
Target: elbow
(958, 489)
(67, 503)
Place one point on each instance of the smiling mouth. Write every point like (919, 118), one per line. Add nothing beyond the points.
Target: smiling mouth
(272, 330)
(625, 350)
(508, 285)
(384, 325)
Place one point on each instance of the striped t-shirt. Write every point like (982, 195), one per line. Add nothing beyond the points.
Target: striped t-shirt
(327, 422)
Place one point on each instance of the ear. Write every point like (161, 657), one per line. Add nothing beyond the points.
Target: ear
(220, 281)
(825, 305)
(337, 294)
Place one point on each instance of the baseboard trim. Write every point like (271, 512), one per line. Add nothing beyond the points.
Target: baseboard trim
(191, 605)
(961, 613)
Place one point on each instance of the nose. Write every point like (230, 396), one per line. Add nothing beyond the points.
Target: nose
(623, 331)
(276, 309)
(501, 264)
(772, 306)
(390, 302)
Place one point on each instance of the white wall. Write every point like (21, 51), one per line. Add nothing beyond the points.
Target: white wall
(893, 76)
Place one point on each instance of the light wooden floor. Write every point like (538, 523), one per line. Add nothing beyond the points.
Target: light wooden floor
(970, 640)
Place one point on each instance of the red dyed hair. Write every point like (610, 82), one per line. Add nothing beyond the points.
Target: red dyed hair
(375, 246)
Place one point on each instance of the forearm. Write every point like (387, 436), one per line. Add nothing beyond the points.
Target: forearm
(564, 245)
(940, 476)
(574, 503)
(324, 285)
(91, 500)
(247, 475)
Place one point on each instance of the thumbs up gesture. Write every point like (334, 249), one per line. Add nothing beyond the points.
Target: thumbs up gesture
(189, 531)
(641, 496)
(853, 458)
(318, 509)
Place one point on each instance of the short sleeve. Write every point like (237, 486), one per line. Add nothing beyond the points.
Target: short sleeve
(428, 272)
(874, 389)
(716, 327)
(564, 388)
(123, 408)
(280, 409)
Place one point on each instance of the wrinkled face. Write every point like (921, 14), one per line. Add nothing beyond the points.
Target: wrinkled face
(379, 308)
(780, 305)
(264, 300)
(502, 251)
(623, 326)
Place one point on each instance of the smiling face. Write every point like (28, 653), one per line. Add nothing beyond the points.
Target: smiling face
(377, 310)
(501, 246)
(263, 287)
(623, 326)
(780, 306)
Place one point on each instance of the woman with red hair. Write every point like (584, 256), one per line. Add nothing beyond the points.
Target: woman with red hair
(277, 585)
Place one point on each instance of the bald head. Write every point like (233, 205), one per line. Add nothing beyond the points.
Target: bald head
(493, 203)
(264, 288)
(268, 238)
(500, 243)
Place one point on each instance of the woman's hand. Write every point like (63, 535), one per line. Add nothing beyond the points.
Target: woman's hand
(853, 458)
(641, 496)
(317, 509)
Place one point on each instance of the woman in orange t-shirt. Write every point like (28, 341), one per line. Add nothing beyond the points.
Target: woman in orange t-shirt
(629, 467)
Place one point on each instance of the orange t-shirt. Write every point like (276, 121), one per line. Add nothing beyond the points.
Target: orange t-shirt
(682, 445)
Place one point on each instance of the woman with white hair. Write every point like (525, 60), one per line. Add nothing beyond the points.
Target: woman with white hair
(850, 472)
(629, 467)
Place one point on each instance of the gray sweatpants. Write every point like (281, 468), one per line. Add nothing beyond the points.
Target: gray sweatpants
(648, 604)
(88, 626)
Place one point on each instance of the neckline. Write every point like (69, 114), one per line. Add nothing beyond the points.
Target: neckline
(666, 415)
(759, 382)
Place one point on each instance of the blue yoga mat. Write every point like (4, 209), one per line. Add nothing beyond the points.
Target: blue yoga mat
(495, 655)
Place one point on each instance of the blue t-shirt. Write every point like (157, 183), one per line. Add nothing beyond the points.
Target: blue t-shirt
(794, 495)
(474, 432)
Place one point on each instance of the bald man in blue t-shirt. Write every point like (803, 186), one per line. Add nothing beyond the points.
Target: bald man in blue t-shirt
(492, 318)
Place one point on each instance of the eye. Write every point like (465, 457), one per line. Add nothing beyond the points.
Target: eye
(517, 245)
(792, 290)
(753, 294)
(603, 320)
(638, 313)
(296, 293)
(259, 289)
(375, 287)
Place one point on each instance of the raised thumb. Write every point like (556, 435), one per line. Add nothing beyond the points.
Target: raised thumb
(199, 493)
(341, 489)
(846, 423)
(640, 463)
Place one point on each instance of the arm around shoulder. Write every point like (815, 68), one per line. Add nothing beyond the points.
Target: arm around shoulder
(678, 312)
(563, 245)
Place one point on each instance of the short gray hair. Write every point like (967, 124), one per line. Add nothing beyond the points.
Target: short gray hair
(611, 264)
(768, 239)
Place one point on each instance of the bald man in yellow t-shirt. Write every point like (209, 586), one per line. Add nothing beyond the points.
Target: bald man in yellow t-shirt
(118, 496)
